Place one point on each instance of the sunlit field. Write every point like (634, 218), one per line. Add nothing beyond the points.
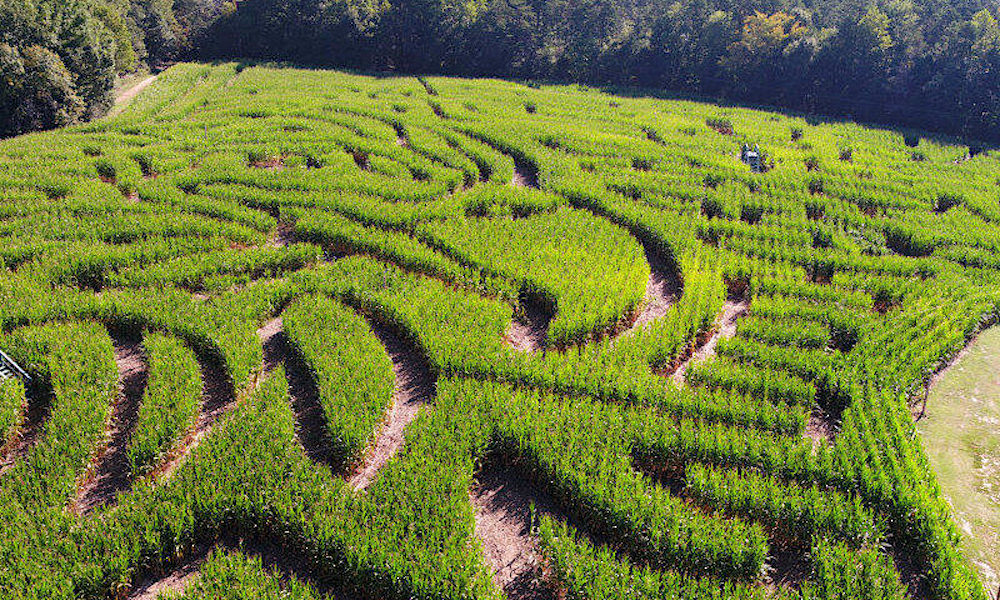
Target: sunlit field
(307, 334)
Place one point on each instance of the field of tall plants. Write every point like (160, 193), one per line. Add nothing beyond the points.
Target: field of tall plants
(286, 328)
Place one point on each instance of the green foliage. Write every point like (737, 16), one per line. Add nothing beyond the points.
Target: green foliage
(170, 403)
(350, 367)
(226, 196)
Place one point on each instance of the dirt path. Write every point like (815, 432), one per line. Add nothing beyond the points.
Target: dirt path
(415, 387)
(30, 429)
(174, 582)
(128, 95)
(525, 174)
(502, 502)
(960, 433)
(310, 421)
(217, 399)
(725, 328)
(662, 291)
(284, 562)
(109, 473)
(282, 236)
(527, 331)
(820, 428)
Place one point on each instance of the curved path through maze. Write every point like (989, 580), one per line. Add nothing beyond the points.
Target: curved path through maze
(503, 502)
(529, 328)
(500, 496)
(302, 391)
(704, 348)
(217, 400)
(284, 561)
(109, 473)
(414, 388)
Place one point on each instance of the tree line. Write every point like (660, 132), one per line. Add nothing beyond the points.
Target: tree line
(930, 65)
(60, 59)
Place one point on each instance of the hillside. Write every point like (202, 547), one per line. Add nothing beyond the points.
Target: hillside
(304, 334)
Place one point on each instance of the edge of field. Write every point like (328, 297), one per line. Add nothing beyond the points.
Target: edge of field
(961, 437)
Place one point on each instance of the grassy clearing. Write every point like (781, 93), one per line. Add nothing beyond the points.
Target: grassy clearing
(961, 436)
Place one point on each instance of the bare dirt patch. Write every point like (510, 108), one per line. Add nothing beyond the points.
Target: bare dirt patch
(820, 428)
(271, 163)
(787, 568)
(109, 473)
(529, 328)
(503, 502)
(725, 328)
(415, 387)
(283, 235)
(525, 174)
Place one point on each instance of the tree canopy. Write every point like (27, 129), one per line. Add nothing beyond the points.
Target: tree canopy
(929, 65)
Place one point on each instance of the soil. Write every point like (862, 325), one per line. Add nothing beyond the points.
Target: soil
(415, 387)
(134, 91)
(175, 582)
(525, 175)
(30, 430)
(787, 568)
(283, 561)
(725, 328)
(109, 473)
(274, 163)
(283, 236)
(820, 428)
(217, 400)
(528, 330)
(662, 291)
(502, 502)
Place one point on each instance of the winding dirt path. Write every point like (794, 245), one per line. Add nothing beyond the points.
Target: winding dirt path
(217, 400)
(282, 236)
(725, 328)
(174, 582)
(126, 97)
(662, 291)
(415, 387)
(529, 328)
(29, 431)
(109, 473)
(502, 502)
(525, 174)
(283, 561)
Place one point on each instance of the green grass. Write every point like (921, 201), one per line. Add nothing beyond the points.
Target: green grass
(961, 436)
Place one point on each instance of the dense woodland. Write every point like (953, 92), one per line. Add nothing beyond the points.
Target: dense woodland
(930, 64)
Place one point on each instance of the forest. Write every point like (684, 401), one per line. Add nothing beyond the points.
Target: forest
(930, 65)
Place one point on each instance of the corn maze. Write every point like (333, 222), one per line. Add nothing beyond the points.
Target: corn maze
(305, 334)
